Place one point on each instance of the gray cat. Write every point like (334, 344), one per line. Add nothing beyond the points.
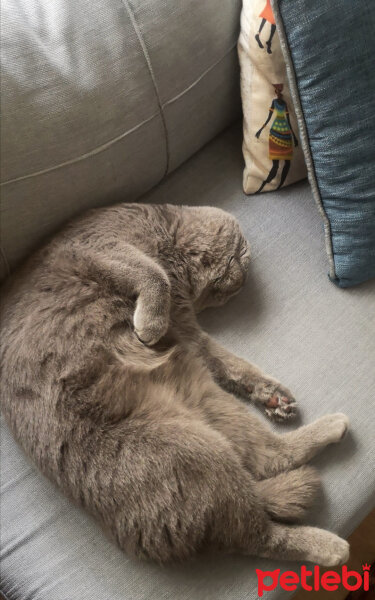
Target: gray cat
(112, 388)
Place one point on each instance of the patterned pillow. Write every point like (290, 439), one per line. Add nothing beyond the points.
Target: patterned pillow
(329, 48)
(272, 154)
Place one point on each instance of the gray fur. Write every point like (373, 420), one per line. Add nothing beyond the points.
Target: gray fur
(119, 397)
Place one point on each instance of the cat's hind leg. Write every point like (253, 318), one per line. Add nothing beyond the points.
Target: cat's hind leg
(262, 451)
(168, 485)
(165, 485)
(289, 495)
(304, 544)
(298, 447)
(198, 496)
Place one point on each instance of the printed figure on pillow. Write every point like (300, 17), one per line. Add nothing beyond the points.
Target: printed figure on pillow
(274, 160)
(280, 137)
(266, 15)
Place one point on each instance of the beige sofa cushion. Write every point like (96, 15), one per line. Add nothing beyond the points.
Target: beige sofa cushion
(266, 97)
(100, 100)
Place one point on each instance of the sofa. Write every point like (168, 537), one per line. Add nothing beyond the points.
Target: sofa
(130, 100)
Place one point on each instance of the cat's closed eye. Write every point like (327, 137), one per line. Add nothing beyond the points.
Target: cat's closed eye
(221, 277)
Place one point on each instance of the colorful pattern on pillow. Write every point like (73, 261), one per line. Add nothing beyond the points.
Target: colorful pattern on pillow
(271, 150)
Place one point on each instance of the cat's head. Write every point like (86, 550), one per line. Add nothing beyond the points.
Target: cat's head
(218, 256)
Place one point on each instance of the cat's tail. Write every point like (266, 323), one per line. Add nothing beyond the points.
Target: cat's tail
(289, 495)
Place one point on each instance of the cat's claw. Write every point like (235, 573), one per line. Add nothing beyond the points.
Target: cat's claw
(280, 407)
(277, 400)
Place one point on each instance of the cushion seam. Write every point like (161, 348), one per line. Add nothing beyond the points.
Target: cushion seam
(106, 145)
(153, 79)
(201, 76)
(292, 77)
(93, 152)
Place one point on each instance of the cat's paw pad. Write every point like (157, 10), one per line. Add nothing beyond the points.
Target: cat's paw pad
(280, 406)
(276, 400)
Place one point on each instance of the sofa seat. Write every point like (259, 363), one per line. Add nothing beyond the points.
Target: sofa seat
(316, 338)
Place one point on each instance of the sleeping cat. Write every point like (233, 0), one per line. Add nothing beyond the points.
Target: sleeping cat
(112, 388)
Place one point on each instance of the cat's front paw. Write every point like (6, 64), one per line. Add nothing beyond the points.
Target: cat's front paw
(150, 327)
(280, 407)
(333, 427)
(277, 401)
(328, 550)
(150, 336)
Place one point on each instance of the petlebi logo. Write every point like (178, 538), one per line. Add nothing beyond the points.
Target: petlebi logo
(329, 580)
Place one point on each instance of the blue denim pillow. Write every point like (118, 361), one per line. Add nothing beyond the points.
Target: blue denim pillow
(329, 47)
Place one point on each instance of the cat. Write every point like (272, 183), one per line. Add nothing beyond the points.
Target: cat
(119, 397)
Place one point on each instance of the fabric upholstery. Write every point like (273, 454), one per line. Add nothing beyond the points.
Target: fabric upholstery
(316, 338)
(262, 68)
(329, 47)
(101, 99)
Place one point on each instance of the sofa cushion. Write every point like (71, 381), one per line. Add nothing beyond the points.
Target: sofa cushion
(101, 99)
(316, 338)
(329, 47)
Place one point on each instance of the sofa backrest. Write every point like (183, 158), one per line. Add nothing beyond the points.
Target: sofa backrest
(100, 100)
